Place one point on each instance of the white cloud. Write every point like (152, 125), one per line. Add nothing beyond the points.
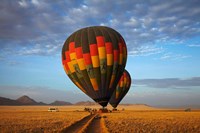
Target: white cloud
(154, 29)
(146, 51)
(41, 49)
(23, 3)
(173, 83)
(166, 56)
(69, 20)
(102, 24)
(194, 45)
(159, 7)
(174, 98)
(147, 21)
(183, 22)
(144, 35)
(167, 19)
(114, 22)
(35, 2)
(83, 12)
(171, 56)
(132, 22)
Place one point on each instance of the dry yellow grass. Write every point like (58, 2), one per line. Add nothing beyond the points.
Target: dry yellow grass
(137, 118)
(37, 118)
(153, 121)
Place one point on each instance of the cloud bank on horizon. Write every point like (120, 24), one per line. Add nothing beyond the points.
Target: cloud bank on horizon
(171, 92)
(162, 39)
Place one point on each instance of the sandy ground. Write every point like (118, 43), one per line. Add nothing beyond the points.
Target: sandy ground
(131, 118)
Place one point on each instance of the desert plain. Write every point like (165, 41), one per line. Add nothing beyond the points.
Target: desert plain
(128, 119)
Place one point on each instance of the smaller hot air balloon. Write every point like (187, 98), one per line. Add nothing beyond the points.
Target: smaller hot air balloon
(121, 89)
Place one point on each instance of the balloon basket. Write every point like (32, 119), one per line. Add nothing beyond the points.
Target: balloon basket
(103, 110)
(114, 109)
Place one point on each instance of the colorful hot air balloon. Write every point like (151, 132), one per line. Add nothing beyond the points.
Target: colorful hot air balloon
(94, 58)
(121, 89)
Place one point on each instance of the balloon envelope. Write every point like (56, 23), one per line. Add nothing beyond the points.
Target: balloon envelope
(121, 89)
(94, 59)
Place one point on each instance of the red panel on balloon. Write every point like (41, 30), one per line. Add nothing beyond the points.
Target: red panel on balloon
(93, 49)
(116, 55)
(109, 48)
(87, 59)
(67, 56)
(100, 41)
(79, 53)
(72, 47)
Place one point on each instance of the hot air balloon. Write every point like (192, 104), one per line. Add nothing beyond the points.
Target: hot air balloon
(94, 59)
(121, 89)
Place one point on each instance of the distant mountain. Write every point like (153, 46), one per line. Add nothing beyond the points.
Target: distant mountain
(85, 103)
(59, 103)
(41, 103)
(136, 104)
(7, 101)
(25, 100)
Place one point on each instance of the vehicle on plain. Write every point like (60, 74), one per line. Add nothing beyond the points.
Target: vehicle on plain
(53, 109)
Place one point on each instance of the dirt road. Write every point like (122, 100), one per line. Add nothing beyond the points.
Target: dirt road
(90, 124)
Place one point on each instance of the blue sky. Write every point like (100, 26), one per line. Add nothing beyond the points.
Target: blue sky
(162, 38)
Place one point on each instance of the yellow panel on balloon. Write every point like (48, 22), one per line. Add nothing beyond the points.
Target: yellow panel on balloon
(73, 56)
(79, 86)
(121, 83)
(95, 61)
(74, 62)
(125, 80)
(71, 66)
(109, 59)
(94, 84)
(81, 64)
(102, 52)
(117, 95)
(120, 59)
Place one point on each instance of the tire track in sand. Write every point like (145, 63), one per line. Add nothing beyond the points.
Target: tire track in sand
(89, 124)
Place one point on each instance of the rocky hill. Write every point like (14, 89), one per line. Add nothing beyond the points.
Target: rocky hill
(59, 103)
(25, 100)
(7, 101)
